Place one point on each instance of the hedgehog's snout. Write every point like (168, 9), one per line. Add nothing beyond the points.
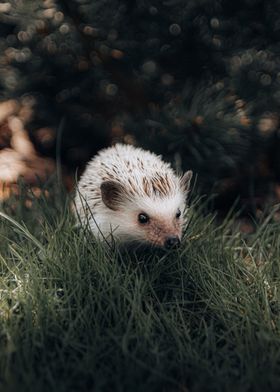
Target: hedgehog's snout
(171, 242)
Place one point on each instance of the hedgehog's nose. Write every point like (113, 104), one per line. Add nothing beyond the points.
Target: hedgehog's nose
(172, 242)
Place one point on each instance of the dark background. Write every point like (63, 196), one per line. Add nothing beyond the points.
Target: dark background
(196, 81)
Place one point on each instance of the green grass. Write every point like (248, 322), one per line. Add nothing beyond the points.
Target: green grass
(78, 316)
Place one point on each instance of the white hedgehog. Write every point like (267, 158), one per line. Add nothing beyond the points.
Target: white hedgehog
(133, 195)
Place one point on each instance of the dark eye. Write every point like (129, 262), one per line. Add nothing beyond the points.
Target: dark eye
(143, 218)
(178, 214)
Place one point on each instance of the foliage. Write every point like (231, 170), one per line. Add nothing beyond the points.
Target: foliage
(196, 81)
(77, 315)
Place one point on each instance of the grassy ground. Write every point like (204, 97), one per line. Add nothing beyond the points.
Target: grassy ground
(75, 316)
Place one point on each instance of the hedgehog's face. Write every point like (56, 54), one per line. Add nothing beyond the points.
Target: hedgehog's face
(161, 227)
(156, 220)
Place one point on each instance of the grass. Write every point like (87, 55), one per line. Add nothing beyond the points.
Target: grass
(78, 316)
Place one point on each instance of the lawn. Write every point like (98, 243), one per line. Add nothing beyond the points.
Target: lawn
(76, 315)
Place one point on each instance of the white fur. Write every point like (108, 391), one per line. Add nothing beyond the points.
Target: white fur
(126, 165)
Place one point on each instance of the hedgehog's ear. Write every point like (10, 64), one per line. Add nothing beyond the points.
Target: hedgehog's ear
(112, 194)
(186, 180)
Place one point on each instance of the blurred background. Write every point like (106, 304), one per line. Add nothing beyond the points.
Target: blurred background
(197, 81)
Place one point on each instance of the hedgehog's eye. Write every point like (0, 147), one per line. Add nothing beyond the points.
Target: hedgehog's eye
(178, 214)
(143, 218)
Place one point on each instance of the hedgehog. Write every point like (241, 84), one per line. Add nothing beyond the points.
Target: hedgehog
(131, 195)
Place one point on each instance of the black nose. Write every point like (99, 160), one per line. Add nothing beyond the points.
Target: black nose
(172, 242)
